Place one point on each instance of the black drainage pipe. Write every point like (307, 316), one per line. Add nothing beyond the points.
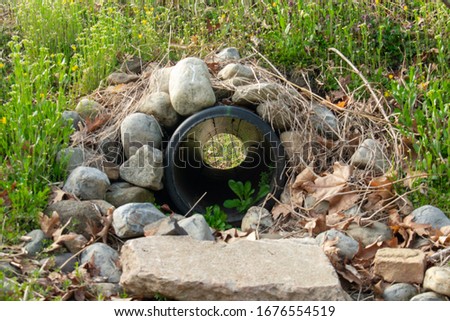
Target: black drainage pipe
(192, 183)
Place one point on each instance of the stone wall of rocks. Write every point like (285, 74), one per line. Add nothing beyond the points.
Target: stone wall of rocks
(124, 181)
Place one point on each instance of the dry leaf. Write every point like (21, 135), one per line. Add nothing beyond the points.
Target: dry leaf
(307, 175)
(281, 210)
(343, 202)
(326, 187)
(316, 225)
(49, 224)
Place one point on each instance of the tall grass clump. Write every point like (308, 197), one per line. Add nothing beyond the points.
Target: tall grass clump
(32, 132)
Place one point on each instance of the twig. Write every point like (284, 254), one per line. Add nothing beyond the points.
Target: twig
(198, 201)
(359, 73)
(389, 204)
(441, 255)
(79, 252)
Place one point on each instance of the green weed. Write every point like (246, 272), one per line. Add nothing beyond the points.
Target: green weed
(216, 218)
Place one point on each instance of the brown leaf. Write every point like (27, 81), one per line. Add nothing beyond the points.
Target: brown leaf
(326, 187)
(49, 224)
(58, 195)
(316, 225)
(343, 202)
(307, 175)
(281, 210)
(107, 221)
(96, 123)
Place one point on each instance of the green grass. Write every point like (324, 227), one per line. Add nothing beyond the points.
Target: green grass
(60, 50)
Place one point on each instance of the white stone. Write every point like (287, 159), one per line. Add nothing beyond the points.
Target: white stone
(137, 130)
(437, 279)
(190, 87)
(158, 105)
(159, 80)
(256, 93)
(130, 219)
(236, 70)
(144, 169)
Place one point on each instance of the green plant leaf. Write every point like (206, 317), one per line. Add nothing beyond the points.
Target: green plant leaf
(236, 187)
(234, 203)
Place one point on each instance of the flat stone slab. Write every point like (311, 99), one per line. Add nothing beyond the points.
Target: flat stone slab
(182, 268)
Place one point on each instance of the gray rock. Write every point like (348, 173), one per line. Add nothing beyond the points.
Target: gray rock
(158, 105)
(118, 78)
(120, 194)
(399, 292)
(102, 206)
(76, 244)
(129, 220)
(82, 214)
(324, 121)
(236, 70)
(88, 108)
(87, 183)
(36, 244)
(279, 116)
(190, 87)
(182, 268)
(165, 226)
(75, 156)
(105, 259)
(160, 79)
(370, 155)
(55, 262)
(229, 53)
(377, 231)
(144, 169)
(138, 130)
(430, 215)
(311, 204)
(106, 290)
(429, 296)
(73, 117)
(256, 93)
(237, 82)
(347, 246)
(132, 65)
(197, 228)
(8, 270)
(437, 279)
(257, 218)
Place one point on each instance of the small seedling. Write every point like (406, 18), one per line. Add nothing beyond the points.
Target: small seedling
(216, 218)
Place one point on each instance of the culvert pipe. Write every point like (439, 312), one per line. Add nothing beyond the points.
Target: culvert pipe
(190, 179)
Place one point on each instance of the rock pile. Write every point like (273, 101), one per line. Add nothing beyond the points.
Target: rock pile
(112, 184)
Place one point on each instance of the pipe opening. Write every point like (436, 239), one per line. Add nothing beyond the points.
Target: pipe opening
(192, 178)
